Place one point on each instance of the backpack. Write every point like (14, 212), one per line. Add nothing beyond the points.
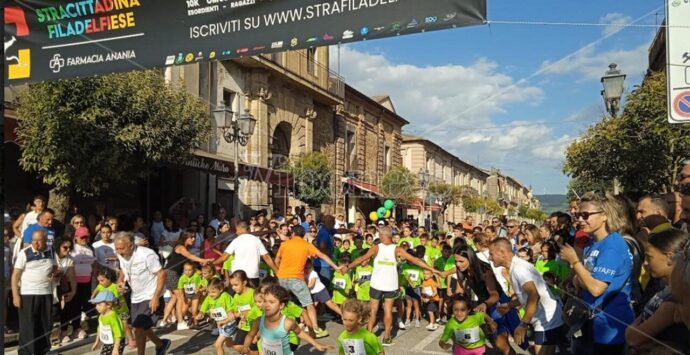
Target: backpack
(638, 259)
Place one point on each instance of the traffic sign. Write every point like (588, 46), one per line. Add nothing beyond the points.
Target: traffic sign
(678, 60)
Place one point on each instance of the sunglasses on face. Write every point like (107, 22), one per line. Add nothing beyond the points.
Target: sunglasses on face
(511, 226)
(585, 215)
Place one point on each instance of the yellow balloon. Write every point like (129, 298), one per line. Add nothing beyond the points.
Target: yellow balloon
(388, 214)
(373, 216)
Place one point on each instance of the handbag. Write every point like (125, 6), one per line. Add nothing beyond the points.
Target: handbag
(577, 312)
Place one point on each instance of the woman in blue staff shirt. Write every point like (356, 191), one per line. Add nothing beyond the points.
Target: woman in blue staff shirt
(605, 269)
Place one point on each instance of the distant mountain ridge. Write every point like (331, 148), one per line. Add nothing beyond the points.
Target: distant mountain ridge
(553, 202)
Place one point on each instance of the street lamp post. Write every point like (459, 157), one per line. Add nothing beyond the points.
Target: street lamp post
(423, 176)
(235, 130)
(613, 81)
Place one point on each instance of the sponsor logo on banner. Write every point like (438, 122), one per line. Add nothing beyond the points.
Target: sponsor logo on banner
(56, 63)
(364, 31)
(189, 57)
(225, 53)
(395, 27)
(312, 39)
(412, 23)
(294, 42)
(379, 28)
(19, 62)
(199, 56)
(347, 34)
(277, 44)
(430, 19)
(180, 58)
(327, 37)
(212, 55)
(170, 60)
(450, 16)
(242, 50)
(259, 48)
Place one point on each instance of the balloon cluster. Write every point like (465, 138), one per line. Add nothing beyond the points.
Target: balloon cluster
(383, 211)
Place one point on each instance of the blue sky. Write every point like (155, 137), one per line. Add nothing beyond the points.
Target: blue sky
(510, 96)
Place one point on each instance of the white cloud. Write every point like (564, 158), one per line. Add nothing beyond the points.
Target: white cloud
(614, 22)
(590, 64)
(452, 105)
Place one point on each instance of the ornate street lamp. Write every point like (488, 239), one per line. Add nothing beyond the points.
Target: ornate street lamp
(235, 130)
(612, 81)
(423, 177)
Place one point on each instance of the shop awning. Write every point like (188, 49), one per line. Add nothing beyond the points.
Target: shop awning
(222, 167)
(353, 186)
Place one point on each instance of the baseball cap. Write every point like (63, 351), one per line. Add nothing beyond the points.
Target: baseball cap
(103, 296)
(381, 223)
(81, 232)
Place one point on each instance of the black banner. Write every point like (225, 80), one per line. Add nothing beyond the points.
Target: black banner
(48, 40)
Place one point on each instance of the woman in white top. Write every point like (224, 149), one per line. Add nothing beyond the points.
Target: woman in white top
(65, 289)
(384, 278)
(84, 258)
(169, 236)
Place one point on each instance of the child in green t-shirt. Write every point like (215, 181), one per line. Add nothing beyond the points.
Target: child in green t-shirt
(189, 285)
(413, 275)
(110, 329)
(342, 283)
(105, 279)
(355, 339)
(440, 265)
(208, 273)
(362, 279)
(465, 329)
(242, 303)
(218, 304)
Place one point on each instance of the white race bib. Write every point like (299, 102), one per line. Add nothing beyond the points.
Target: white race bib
(190, 289)
(106, 334)
(272, 347)
(219, 314)
(339, 283)
(365, 277)
(468, 336)
(244, 307)
(354, 346)
(263, 273)
(428, 290)
(414, 275)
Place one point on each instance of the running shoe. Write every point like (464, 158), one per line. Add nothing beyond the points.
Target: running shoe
(387, 342)
(163, 349)
(401, 325)
(321, 333)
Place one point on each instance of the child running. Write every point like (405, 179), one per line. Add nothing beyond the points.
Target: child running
(189, 283)
(218, 304)
(430, 298)
(110, 330)
(317, 289)
(105, 282)
(274, 327)
(342, 283)
(242, 303)
(465, 329)
(355, 339)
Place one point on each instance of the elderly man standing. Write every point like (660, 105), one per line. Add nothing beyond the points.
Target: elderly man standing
(141, 268)
(35, 269)
(542, 309)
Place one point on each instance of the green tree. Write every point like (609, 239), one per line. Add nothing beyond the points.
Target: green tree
(400, 184)
(312, 174)
(449, 194)
(639, 147)
(83, 135)
(535, 214)
(578, 186)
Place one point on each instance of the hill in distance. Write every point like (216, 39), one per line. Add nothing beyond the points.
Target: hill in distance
(553, 203)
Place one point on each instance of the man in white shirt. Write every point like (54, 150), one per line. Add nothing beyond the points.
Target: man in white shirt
(34, 270)
(141, 268)
(542, 308)
(248, 251)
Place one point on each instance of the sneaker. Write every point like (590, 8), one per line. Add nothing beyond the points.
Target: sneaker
(407, 323)
(81, 335)
(182, 326)
(163, 324)
(66, 339)
(401, 325)
(435, 326)
(387, 342)
(430, 327)
(215, 332)
(321, 333)
(165, 345)
(416, 323)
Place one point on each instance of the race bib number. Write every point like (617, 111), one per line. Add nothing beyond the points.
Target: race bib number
(428, 290)
(272, 347)
(339, 283)
(218, 314)
(244, 307)
(364, 277)
(106, 334)
(354, 347)
(190, 289)
(468, 336)
(414, 275)
(263, 273)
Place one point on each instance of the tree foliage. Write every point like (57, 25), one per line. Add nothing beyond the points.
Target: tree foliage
(312, 174)
(475, 203)
(400, 184)
(83, 135)
(448, 194)
(639, 147)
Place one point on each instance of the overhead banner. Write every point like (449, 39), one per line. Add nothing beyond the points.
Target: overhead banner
(49, 40)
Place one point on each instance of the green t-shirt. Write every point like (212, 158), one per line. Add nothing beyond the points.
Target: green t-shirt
(363, 279)
(342, 284)
(242, 304)
(227, 264)
(413, 275)
(110, 327)
(432, 253)
(361, 342)
(254, 314)
(218, 308)
(468, 333)
(293, 311)
(190, 284)
(121, 306)
(440, 265)
(204, 283)
(561, 270)
(450, 264)
(411, 241)
(264, 270)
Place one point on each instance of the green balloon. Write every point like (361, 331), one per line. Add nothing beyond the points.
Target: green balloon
(381, 212)
(388, 204)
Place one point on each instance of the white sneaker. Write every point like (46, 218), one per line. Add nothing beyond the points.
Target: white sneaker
(401, 325)
(407, 323)
(430, 327)
(163, 324)
(416, 323)
(182, 326)
(83, 317)
(435, 326)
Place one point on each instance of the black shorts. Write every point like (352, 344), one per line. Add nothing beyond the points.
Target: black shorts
(377, 295)
(413, 293)
(432, 307)
(142, 317)
(549, 337)
(321, 296)
(240, 337)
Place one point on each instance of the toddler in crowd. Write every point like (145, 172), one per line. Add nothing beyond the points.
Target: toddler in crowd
(105, 279)
(430, 298)
(218, 305)
(110, 329)
(189, 283)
